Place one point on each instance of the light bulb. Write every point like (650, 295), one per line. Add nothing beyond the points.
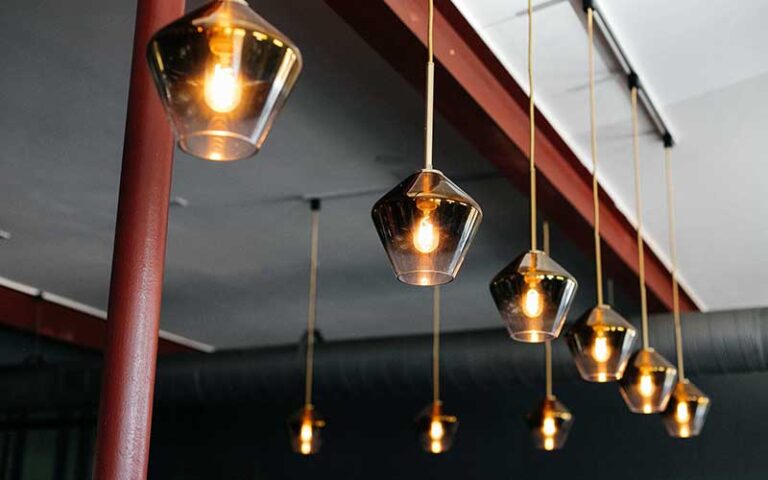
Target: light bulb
(306, 432)
(646, 386)
(601, 351)
(436, 430)
(427, 235)
(682, 413)
(685, 431)
(436, 446)
(222, 89)
(533, 302)
(549, 428)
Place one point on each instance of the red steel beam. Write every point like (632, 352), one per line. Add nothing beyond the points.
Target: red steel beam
(133, 318)
(478, 95)
(32, 313)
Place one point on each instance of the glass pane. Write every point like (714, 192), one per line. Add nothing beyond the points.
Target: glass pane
(550, 422)
(686, 411)
(426, 225)
(533, 295)
(436, 430)
(223, 74)
(647, 382)
(601, 343)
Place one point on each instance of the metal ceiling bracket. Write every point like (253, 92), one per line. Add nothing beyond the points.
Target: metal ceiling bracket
(608, 40)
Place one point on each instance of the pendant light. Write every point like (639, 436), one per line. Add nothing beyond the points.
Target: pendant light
(426, 223)
(601, 340)
(533, 293)
(688, 407)
(648, 379)
(550, 421)
(436, 429)
(223, 74)
(304, 426)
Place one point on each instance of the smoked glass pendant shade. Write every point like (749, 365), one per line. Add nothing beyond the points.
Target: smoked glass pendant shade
(223, 74)
(550, 422)
(436, 430)
(601, 343)
(687, 410)
(647, 382)
(533, 295)
(304, 428)
(426, 224)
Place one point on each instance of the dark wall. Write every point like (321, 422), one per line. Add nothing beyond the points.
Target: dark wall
(373, 438)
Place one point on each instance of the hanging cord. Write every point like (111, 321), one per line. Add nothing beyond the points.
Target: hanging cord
(595, 187)
(531, 116)
(428, 131)
(547, 344)
(436, 345)
(312, 311)
(673, 254)
(638, 205)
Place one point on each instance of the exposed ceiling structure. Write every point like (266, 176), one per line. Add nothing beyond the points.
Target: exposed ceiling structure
(707, 73)
(238, 246)
(238, 251)
(236, 279)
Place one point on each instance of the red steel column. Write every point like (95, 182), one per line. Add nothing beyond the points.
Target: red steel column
(125, 412)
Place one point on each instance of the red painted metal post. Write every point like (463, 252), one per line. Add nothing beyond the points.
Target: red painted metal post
(125, 412)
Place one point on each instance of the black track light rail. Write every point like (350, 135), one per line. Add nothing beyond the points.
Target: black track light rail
(606, 36)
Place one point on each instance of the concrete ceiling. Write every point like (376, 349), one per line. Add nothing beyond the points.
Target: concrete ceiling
(238, 253)
(707, 68)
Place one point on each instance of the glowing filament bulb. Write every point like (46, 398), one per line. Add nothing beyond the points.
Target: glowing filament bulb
(682, 413)
(222, 88)
(306, 432)
(305, 437)
(427, 236)
(436, 430)
(684, 431)
(601, 351)
(646, 386)
(436, 446)
(549, 428)
(533, 302)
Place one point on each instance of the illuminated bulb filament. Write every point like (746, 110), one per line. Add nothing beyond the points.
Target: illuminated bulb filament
(222, 89)
(305, 437)
(436, 446)
(601, 351)
(533, 303)
(646, 386)
(427, 236)
(436, 430)
(549, 428)
(682, 413)
(306, 432)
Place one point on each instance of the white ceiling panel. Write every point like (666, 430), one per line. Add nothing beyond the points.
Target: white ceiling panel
(706, 64)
